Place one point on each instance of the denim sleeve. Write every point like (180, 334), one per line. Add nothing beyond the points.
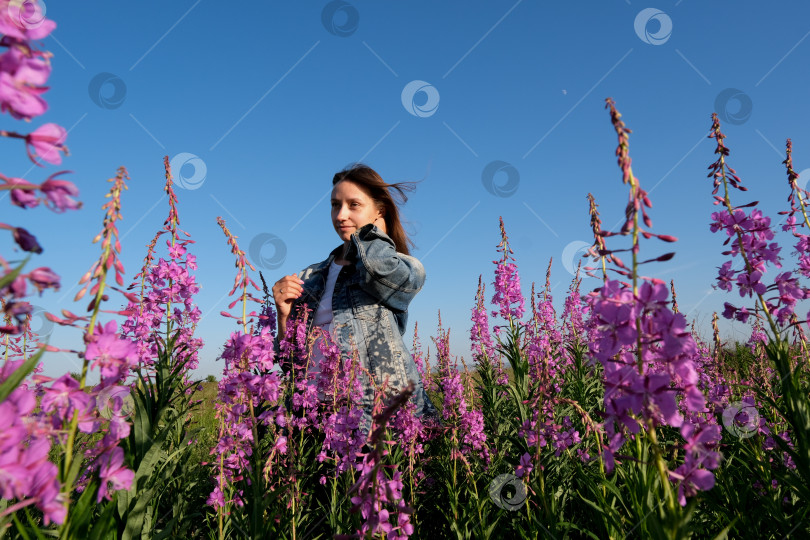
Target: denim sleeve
(393, 278)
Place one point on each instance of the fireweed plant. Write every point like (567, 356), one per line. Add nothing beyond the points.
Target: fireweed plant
(41, 417)
(648, 359)
(610, 419)
(86, 424)
(161, 318)
(774, 414)
(606, 422)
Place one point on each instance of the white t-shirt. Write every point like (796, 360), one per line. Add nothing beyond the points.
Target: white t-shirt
(323, 318)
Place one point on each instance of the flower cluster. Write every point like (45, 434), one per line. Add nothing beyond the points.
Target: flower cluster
(507, 284)
(378, 498)
(574, 312)
(107, 351)
(26, 473)
(341, 391)
(541, 430)
(249, 380)
(751, 238)
(164, 308)
(647, 353)
(466, 423)
(68, 406)
(24, 71)
(546, 358)
(480, 336)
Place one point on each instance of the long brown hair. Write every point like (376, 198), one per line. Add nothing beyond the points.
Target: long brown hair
(370, 181)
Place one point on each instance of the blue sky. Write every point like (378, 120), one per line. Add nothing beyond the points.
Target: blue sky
(266, 101)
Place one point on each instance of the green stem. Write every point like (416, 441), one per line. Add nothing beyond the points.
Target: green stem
(661, 466)
(749, 268)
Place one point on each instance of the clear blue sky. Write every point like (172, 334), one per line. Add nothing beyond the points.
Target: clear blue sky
(274, 98)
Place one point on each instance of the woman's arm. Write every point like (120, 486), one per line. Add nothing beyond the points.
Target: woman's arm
(391, 277)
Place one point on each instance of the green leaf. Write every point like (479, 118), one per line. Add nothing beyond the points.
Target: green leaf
(35, 527)
(103, 523)
(75, 468)
(136, 515)
(80, 514)
(11, 276)
(722, 535)
(167, 531)
(14, 380)
(20, 527)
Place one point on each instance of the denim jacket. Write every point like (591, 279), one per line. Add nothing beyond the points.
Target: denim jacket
(370, 311)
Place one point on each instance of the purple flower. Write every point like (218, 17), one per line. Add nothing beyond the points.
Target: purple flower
(216, 498)
(111, 354)
(24, 198)
(507, 283)
(64, 396)
(507, 292)
(525, 466)
(26, 241)
(725, 276)
(113, 474)
(46, 142)
(750, 283)
(59, 193)
(25, 21)
(19, 98)
(176, 251)
(44, 278)
(479, 333)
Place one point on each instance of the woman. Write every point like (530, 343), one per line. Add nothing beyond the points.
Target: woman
(360, 293)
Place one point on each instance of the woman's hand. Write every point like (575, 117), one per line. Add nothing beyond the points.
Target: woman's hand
(285, 292)
(380, 224)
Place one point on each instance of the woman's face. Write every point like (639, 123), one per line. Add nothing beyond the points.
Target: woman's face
(352, 207)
